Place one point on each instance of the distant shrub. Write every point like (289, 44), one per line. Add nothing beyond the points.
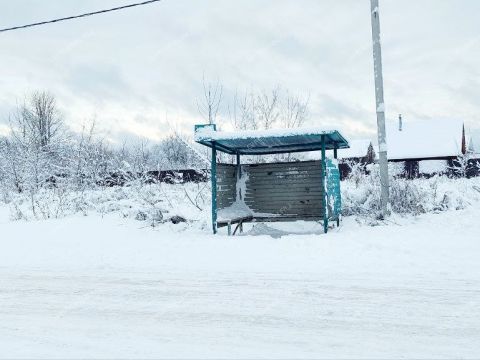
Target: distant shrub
(361, 194)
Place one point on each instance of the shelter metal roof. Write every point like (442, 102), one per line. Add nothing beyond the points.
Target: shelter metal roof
(263, 142)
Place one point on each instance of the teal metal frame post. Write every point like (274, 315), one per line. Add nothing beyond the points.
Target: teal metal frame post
(239, 195)
(325, 207)
(335, 156)
(213, 176)
(239, 175)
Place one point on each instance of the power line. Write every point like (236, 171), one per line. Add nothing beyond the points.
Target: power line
(79, 16)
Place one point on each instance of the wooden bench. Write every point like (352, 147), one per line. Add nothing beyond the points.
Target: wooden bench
(240, 220)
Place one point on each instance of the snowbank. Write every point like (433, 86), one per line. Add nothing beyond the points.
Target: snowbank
(155, 204)
(107, 286)
(152, 203)
(104, 287)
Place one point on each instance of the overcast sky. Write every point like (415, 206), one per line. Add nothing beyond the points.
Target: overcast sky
(140, 71)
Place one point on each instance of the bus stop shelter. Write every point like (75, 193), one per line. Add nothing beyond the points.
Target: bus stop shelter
(278, 191)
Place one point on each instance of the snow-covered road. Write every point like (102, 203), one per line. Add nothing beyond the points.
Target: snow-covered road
(223, 315)
(104, 288)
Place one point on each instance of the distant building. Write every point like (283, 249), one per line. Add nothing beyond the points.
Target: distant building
(425, 148)
(418, 148)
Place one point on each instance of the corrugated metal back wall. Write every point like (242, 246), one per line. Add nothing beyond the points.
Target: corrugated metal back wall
(226, 185)
(276, 188)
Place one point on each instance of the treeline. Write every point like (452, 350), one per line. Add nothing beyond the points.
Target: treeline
(41, 151)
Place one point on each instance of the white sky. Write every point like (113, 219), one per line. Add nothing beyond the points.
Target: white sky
(140, 71)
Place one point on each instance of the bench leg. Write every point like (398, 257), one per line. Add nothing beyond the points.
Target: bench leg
(229, 226)
(239, 226)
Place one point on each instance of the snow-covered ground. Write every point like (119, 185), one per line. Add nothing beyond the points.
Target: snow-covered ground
(112, 287)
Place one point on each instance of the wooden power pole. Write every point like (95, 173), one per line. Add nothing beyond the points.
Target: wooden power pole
(381, 131)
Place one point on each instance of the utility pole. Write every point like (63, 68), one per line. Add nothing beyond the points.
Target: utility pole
(382, 134)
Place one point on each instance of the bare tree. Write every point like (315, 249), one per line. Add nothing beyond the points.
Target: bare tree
(37, 121)
(210, 104)
(11, 165)
(175, 152)
(267, 108)
(243, 115)
(294, 111)
(37, 140)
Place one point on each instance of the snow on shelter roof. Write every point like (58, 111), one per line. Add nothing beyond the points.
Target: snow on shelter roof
(424, 139)
(273, 141)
